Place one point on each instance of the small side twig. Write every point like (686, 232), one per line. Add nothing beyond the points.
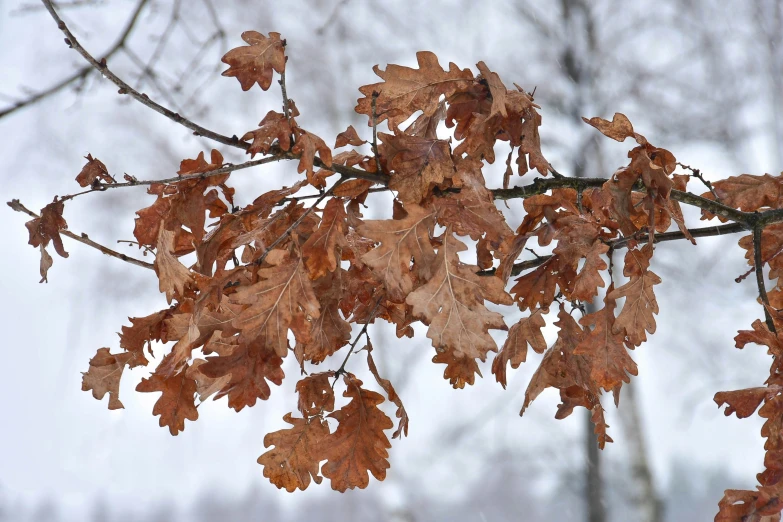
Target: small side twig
(555, 174)
(759, 266)
(83, 238)
(362, 332)
(696, 173)
(284, 92)
(201, 175)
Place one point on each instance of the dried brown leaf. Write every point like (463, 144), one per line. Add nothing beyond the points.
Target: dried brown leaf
(254, 63)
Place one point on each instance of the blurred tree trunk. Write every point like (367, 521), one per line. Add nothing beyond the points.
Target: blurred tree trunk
(645, 497)
(594, 489)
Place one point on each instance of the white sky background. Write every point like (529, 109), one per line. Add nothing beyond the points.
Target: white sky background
(58, 442)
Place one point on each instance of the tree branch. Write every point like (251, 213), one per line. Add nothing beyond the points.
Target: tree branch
(142, 98)
(543, 185)
(362, 332)
(201, 175)
(758, 264)
(539, 185)
(622, 242)
(84, 71)
(83, 238)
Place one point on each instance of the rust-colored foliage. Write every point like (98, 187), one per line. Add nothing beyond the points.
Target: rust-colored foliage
(299, 268)
(255, 62)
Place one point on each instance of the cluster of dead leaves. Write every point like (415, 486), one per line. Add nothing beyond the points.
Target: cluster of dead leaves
(280, 275)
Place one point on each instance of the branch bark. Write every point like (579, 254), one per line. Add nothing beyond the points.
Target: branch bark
(83, 238)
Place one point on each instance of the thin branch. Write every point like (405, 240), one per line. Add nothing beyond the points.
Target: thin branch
(83, 238)
(201, 175)
(286, 101)
(731, 228)
(759, 266)
(84, 71)
(363, 331)
(314, 196)
(198, 130)
(543, 185)
(142, 98)
(696, 173)
(25, 8)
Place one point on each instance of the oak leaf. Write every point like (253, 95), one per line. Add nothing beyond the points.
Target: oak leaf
(759, 335)
(315, 394)
(404, 90)
(104, 375)
(400, 241)
(142, 332)
(250, 365)
(749, 193)
(93, 171)
(563, 369)
(359, 444)
(282, 299)
(744, 402)
(296, 456)
(605, 349)
(536, 289)
(589, 279)
(323, 249)
(307, 145)
(47, 228)
(451, 302)
(417, 164)
(177, 400)
(459, 370)
(637, 316)
(173, 276)
(402, 426)
(329, 331)
(275, 127)
(472, 211)
(618, 129)
(205, 386)
(254, 63)
(348, 137)
(526, 331)
(496, 89)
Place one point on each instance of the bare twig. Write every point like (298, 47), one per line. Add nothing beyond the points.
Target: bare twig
(555, 174)
(83, 238)
(84, 71)
(142, 98)
(25, 8)
(759, 266)
(362, 332)
(201, 175)
(284, 92)
(696, 173)
(314, 196)
(731, 228)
